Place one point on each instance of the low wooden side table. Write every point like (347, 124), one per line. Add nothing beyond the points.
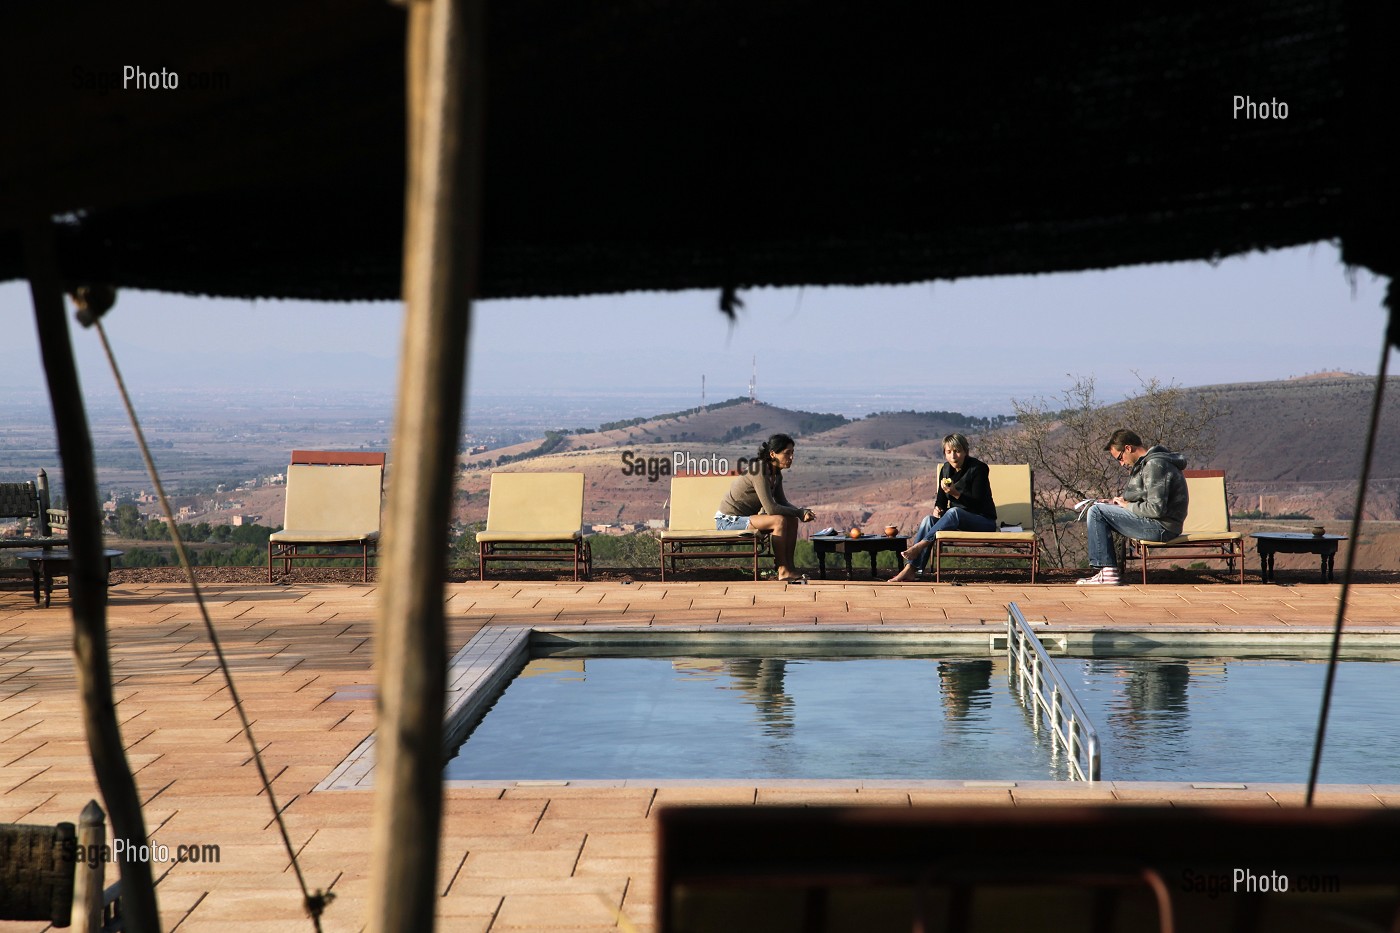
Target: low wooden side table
(847, 546)
(1267, 543)
(55, 562)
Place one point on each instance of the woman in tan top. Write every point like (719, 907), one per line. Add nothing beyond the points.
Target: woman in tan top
(756, 501)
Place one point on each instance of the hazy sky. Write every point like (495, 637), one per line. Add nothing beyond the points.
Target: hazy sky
(1261, 316)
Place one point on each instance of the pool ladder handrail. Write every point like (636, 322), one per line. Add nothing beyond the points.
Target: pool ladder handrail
(1041, 686)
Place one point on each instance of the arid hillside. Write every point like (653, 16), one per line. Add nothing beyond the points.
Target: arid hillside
(697, 432)
(1291, 447)
(895, 429)
(1295, 447)
(1309, 430)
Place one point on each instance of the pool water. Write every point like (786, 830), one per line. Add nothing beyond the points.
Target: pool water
(950, 718)
(1239, 720)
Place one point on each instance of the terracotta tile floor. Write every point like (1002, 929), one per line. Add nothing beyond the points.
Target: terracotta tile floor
(513, 857)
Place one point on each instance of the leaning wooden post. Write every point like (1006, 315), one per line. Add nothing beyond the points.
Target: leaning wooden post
(89, 883)
(87, 581)
(439, 282)
(41, 484)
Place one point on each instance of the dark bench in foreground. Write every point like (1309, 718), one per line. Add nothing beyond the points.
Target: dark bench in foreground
(1116, 868)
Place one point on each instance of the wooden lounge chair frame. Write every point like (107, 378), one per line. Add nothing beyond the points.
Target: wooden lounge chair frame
(536, 517)
(690, 530)
(1205, 535)
(329, 505)
(1012, 485)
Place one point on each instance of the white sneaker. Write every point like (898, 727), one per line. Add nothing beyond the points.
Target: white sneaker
(1107, 576)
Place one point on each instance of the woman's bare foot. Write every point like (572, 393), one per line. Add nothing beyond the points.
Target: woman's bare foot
(914, 550)
(905, 573)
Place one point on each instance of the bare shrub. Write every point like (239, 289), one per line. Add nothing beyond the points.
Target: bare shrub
(1062, 439)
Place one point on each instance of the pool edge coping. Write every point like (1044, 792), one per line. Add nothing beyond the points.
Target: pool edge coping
(492, 656)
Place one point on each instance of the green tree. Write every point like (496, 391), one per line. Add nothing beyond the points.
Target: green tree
(126, 521)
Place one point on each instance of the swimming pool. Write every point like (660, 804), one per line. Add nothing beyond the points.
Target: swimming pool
(1249, 719)
(951, 716)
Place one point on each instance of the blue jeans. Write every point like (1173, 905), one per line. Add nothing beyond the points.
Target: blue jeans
(954, 519)
(1104, 519)
(731, 522)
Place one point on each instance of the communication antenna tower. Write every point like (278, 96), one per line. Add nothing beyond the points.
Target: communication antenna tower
(753, 383)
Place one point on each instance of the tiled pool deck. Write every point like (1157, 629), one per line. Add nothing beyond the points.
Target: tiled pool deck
(517, 857)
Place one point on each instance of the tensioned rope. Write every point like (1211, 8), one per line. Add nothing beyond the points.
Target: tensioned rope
(1392, 338)
(314, 903)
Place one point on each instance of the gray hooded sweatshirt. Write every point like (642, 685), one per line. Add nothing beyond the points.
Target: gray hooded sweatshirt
(1157, 490)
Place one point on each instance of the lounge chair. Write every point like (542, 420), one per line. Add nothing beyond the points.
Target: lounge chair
(690, 531)
(1205, 535)
(1011, 488)
(333, 501)
(536, 517)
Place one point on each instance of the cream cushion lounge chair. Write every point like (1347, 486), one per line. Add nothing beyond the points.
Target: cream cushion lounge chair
(333, 501)
(535, 517)
(1011, 488)
(690, 532)
(1205, 535)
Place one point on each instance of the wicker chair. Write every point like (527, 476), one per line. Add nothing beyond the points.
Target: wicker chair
(41, 877)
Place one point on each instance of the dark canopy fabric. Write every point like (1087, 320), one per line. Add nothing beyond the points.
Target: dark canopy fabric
(667, 144)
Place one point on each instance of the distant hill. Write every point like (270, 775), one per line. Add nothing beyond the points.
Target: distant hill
(738, 421)
(890, 429)
(698, 431)
(1311, 429)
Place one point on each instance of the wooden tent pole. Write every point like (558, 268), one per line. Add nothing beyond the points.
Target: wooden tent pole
(87, 578)
(439, 283)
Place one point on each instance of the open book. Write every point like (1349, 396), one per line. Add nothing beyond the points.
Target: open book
(1082, 506)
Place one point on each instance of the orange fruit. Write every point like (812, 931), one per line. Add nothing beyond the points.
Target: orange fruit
(855, 532)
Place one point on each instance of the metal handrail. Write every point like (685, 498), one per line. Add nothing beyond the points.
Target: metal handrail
(1045, 692)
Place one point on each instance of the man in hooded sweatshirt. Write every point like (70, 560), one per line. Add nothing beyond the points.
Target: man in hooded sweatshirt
(1152, 506)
